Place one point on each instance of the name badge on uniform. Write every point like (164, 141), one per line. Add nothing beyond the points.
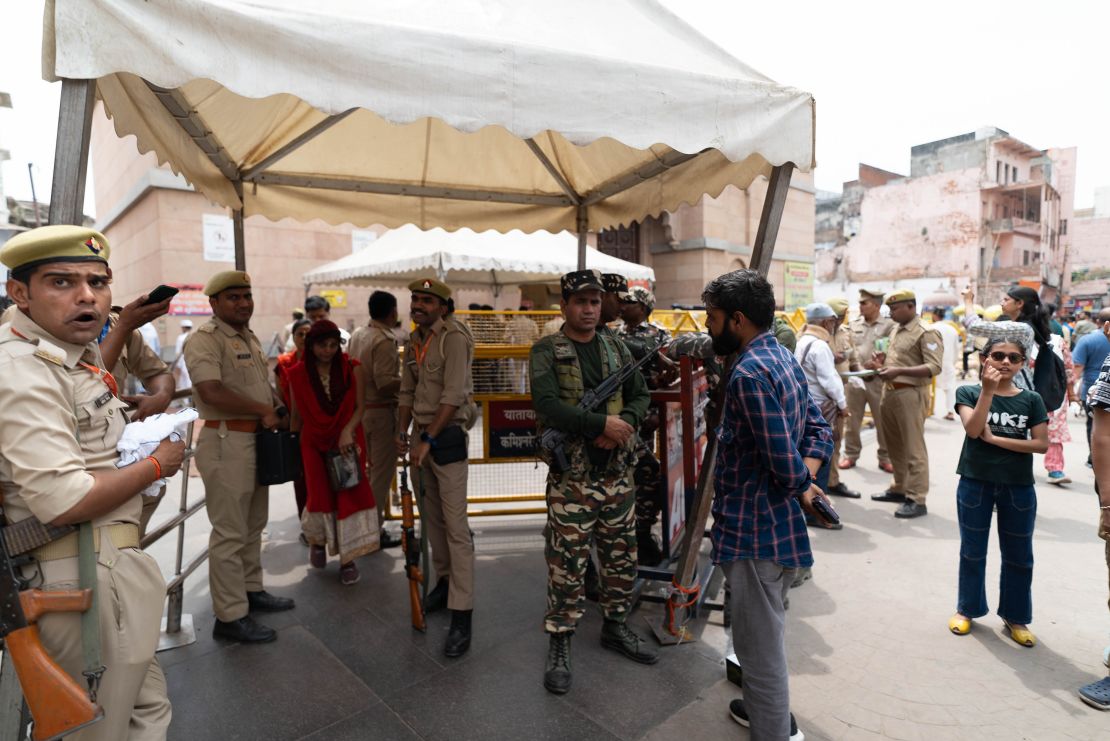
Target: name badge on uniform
(103, 399)
(243, 356)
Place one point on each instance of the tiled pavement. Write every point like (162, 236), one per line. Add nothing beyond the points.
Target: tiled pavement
(869, 652)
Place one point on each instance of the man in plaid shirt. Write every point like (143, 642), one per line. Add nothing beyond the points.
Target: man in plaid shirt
(771, 442)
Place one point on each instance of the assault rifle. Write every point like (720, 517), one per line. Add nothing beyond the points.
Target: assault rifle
(411, 546)
(58, 705)
(552, 440)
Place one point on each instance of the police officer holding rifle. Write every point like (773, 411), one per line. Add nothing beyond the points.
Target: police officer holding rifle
(589, 492)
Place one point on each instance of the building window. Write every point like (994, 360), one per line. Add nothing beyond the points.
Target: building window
(998, 172)
(1007, 181)
(1063, 227)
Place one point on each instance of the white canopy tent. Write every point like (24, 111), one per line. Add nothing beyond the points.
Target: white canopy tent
(491, 114)
(466, 258)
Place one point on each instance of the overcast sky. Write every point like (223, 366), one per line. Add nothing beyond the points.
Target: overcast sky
(886, 75)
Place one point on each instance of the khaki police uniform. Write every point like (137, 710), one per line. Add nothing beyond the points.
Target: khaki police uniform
(864, 335)
(376, 348)
(905, 404)
(45, 472)
(841, 344)
(138, 359)
(237, 506)
(436, 370)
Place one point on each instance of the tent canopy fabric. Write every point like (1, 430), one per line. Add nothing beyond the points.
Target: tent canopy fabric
(467, 258)
(490, 114)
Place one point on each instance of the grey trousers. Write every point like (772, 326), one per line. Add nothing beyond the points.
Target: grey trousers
(758, 589)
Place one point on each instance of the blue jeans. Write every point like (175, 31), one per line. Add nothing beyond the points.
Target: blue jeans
(1017, 511)
(822, 478)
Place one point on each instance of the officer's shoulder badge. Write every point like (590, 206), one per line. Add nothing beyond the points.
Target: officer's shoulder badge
(50, 353)
(207, 328)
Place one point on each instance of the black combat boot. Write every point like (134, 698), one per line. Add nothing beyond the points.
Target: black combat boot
(619, 637)
(648, 548)
(556, 675)
(437, 598)
(592, 585)
(458, 637)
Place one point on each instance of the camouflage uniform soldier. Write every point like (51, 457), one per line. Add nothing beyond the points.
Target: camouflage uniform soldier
(593, 497)
(641, 337)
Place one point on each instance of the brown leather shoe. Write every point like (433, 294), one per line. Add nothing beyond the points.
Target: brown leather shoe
(846, 463)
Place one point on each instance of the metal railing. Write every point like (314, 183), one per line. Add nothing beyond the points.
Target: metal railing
(177, 628)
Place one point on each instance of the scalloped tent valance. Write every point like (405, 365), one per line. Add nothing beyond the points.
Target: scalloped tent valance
(488, 114)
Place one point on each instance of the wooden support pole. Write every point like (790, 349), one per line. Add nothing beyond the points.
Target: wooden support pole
(583, 226)
(771, 218)
(71, 151)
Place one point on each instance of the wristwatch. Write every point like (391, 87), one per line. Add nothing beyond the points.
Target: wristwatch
(425, 437)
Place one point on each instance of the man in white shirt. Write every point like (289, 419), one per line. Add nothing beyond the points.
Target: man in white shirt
(814, 354)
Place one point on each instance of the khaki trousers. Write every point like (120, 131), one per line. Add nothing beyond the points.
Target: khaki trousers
(131, 594)
(238, 509)
(150, 504)
(448, 529)
(838, 437)
(380, 427)
(904, 413)
(869, 396)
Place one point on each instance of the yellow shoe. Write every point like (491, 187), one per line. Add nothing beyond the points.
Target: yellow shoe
(1022, 636)
(959, 625)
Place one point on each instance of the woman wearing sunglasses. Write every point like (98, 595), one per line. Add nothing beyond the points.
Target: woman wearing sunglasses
(1005, 426)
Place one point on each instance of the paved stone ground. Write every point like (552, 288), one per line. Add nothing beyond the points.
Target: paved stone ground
(870, 654)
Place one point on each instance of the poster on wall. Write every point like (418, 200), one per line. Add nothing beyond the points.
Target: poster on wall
(219, 240)
(512, 429)
(676, 484)
(798, 277)
(189, 301)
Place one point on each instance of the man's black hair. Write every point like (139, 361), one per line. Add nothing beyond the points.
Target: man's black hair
(315, 303)
(745, 291)
(381, 304)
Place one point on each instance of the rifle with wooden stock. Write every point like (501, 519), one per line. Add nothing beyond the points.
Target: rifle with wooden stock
(410, 544)
(58, 704)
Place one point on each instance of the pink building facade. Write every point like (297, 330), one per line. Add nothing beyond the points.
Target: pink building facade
(982, 208)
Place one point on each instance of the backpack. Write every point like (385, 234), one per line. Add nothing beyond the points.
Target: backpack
(1050, 379)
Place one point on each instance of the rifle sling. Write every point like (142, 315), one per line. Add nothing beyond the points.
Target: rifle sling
(86, 577)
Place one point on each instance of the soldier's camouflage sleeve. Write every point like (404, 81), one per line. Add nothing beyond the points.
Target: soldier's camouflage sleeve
(694, 344)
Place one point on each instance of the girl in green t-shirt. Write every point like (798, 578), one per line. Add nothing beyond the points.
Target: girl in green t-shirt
(1005, 426)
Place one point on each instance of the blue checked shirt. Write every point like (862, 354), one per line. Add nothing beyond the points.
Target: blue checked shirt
(768, 425)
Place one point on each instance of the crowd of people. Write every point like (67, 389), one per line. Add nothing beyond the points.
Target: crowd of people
(786, 410)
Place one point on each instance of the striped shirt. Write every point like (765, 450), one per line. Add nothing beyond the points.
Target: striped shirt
(768, 425)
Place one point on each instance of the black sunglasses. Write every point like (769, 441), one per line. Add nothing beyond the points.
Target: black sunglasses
(998, 356)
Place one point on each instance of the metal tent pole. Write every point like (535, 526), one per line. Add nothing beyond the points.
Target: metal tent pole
(237, 230)
(71, 151)
(583, 226)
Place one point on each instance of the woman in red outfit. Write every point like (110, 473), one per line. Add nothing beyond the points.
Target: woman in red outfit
(285, 361)
(326, 395)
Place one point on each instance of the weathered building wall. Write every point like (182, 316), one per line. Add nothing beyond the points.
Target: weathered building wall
(926, 226)
(1090, 243)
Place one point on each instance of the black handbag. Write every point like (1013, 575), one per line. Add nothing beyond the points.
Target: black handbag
(277, 456)
(450, 446)
(343, 469)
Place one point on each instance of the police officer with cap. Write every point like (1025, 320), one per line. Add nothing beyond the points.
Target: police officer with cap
(592, 498)
(906, 369)
(233, 394)
(52, 377)
(437, 399)
(844, 355)
(867, 328)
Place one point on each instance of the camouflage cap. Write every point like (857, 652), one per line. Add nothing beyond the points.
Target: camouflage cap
(615, 283)
(431, 286)
(56, 243)
(640, 295)
(581, 280)
(226, 279)
(903, 295)
(839, 304)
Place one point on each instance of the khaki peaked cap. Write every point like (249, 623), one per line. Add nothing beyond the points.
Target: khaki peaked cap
(225, 280)
(55, 243)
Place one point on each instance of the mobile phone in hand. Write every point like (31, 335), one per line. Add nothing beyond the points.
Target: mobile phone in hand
(160, 294)
(828, 514)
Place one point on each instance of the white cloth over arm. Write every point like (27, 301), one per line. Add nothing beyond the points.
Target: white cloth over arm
(817, 361)
(140, 439)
